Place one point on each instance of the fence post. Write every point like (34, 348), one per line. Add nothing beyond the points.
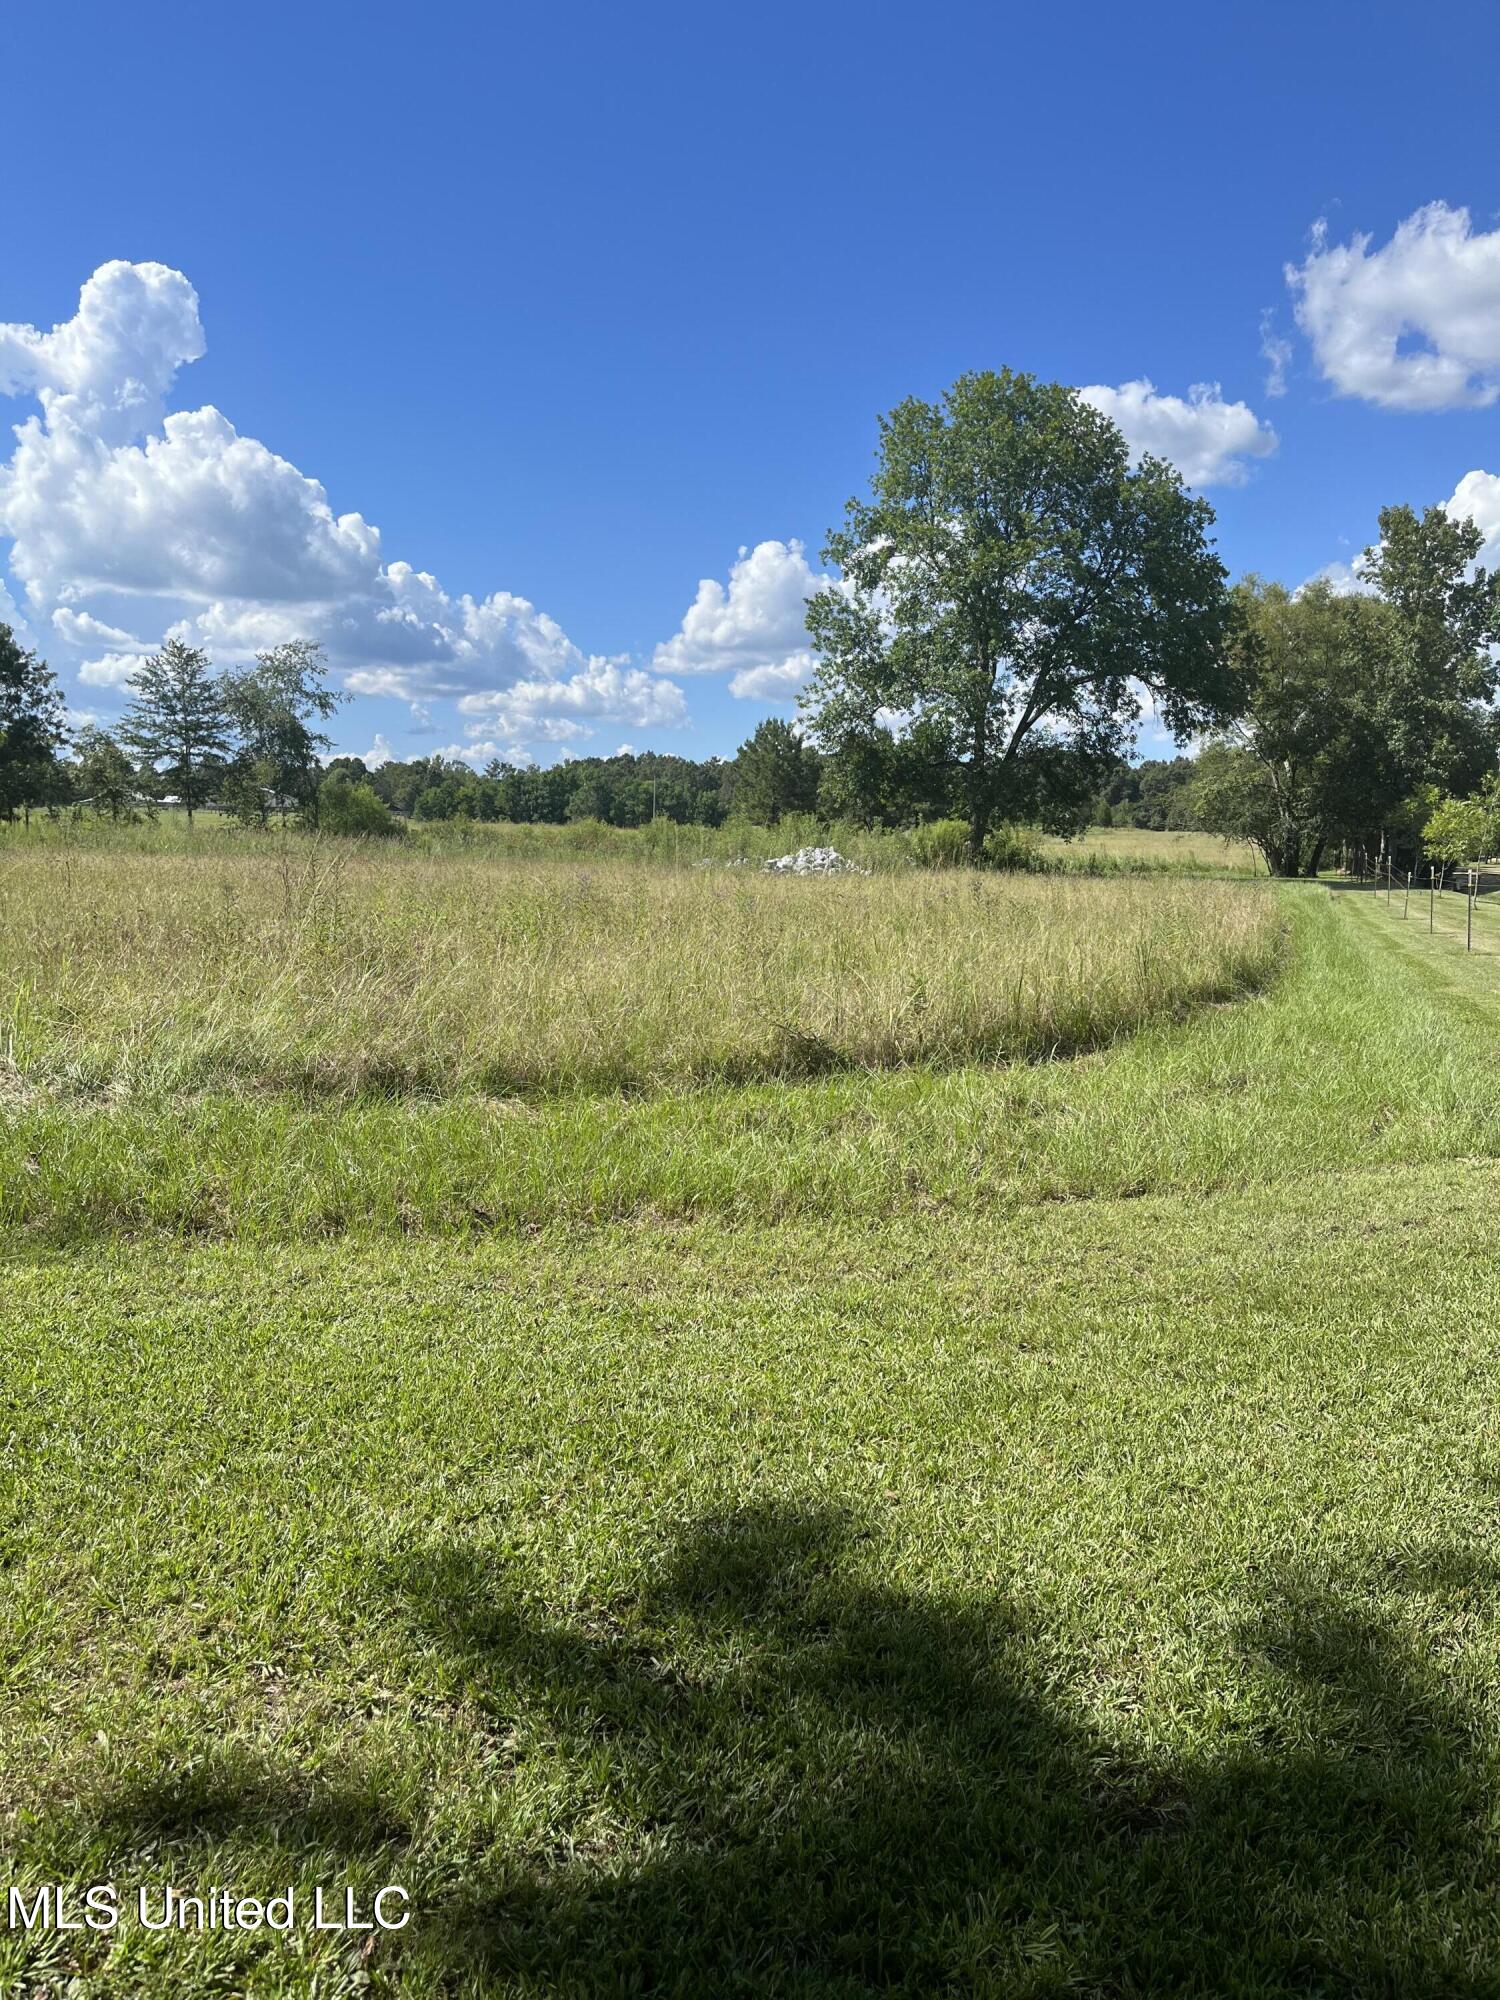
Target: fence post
(1469, 934)
(1389, 881)
(1431, 896)
(1406, 899)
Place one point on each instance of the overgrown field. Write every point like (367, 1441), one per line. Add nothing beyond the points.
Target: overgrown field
(1017, 1529)
(333, 971)
(1107, 851)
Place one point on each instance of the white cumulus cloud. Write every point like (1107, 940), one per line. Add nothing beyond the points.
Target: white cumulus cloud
(1276, 352)
(79, 629)
(129, 519)
(755, 623)
(1413, 325)
(781, 683)
(111, 669)
(1476, 498)
(10, 612)
(561, 711)
(1207, 439)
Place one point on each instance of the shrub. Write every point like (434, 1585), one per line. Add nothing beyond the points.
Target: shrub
(940, 843)
(354, 810)
(1014, 847)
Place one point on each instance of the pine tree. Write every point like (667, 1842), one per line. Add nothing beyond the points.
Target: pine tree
(176, 723)
(775, 773)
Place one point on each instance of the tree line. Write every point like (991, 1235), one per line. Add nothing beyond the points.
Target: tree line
(999, 602)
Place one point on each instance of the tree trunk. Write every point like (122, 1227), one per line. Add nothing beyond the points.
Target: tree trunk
(979, 826)
(980, 808)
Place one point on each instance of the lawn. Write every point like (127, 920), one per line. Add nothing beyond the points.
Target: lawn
(950, 1528)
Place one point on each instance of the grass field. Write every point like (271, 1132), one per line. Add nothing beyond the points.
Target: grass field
(1132, 847)
(341, 972)
(947, 1528)
(1109, 851)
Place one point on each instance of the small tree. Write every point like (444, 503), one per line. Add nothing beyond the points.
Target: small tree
(353, 809)
(32, 728)
(776, 773)
(1011, 582)
(105, 779)
(1464, 831)
(176, 723)
(271, 706)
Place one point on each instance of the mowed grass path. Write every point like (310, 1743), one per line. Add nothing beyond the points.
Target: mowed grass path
(867, 1574)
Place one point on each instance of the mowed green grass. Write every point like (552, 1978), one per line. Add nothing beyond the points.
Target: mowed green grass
(1014, 1531)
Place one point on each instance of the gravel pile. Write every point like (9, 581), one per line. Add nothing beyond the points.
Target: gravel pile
(813, 861)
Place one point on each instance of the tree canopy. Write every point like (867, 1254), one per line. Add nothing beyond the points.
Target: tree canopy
(32, 729)
(1011, 583)
(1360, 708)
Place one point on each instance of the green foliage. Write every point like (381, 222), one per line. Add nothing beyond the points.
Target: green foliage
(178, 725)
(1012, 847)
(1007, 580)
(775, 773)
(1156, 793)
(271, 706)
(1464, 830)
(1359, 707)
(106, 782)
(628, 790)
(354, 810)
(248, 789)
(32, 730)
(939, 843)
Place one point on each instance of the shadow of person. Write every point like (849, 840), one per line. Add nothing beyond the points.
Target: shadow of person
(793, 1773)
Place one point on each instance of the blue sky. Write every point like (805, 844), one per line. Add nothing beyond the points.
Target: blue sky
(574, 305)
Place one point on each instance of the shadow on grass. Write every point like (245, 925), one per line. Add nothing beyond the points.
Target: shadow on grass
(798, 1776)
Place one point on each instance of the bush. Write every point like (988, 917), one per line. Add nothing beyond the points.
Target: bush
(354, 810)
(940, 843)
(1014, 847)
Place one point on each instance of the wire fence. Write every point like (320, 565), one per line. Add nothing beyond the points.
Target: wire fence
(1450, 899)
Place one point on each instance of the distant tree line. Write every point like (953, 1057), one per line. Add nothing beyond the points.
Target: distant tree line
(1159, 794)
(630, 789)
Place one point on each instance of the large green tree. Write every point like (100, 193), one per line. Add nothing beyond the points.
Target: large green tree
(1012, 583)
(1445, 610)
(272, 707)
(1307, 762)
(177, 724)
(32, 728)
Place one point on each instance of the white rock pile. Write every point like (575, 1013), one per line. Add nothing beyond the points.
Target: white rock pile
(813, 861)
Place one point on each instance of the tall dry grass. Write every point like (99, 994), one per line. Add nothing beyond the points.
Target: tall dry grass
(337, 971)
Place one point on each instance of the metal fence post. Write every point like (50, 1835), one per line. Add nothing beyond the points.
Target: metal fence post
(1431, 896)
(1469, 935)
(1406, 899)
